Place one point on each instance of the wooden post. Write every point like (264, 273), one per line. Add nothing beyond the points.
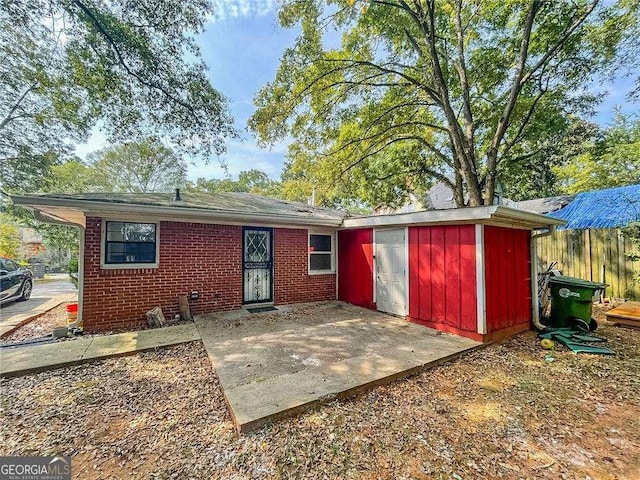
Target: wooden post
(185, 311)
(587, 254)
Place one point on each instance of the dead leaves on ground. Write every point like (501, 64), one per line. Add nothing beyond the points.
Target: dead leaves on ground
(506, 411)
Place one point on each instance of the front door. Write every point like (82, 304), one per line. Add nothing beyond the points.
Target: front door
(391, 280)
(257, 265)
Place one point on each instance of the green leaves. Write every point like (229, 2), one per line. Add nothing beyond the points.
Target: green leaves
(611, 161)
(70, 64)
(455, 91)
(250, 181)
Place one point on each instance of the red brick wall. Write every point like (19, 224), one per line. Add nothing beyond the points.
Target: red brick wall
(193, 256)
(292, 282)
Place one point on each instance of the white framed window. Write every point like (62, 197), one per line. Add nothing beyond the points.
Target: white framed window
(321, 253)
(129, 244)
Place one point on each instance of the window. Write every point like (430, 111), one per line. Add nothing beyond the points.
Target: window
(321, 253)
(130, 243)
(9, 266)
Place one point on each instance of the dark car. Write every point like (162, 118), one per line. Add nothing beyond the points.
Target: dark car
(16, 281)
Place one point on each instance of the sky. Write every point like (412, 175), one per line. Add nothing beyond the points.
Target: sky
(242, 46)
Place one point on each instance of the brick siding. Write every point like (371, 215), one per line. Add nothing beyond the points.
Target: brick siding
(193, 256)
(292, 281)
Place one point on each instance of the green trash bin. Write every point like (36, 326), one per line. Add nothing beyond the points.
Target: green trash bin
(571, 301)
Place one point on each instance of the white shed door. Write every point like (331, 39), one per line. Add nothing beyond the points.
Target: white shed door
(391, 261)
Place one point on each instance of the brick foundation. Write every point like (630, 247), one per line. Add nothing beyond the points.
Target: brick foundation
(193, 256)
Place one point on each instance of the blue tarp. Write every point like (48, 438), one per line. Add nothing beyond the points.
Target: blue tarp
(613, 207)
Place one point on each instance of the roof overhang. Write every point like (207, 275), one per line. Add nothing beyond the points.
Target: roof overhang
(493, 215)
(74, 211)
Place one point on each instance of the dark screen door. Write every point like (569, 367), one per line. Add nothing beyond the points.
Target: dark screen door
(257, 265)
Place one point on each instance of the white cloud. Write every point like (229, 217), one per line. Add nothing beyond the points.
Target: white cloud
(230, 9)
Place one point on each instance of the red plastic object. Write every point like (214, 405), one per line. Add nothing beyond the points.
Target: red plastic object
(72, 308)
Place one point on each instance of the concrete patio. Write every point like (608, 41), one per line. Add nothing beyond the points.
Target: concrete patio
(276, 364)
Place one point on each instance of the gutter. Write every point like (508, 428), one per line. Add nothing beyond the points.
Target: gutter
(535, 306)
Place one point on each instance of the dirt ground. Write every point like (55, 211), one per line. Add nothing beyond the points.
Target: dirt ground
(510, 411)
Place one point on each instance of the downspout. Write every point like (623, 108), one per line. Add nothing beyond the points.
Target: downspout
(45, 219)
(78, 322)
(535, 307)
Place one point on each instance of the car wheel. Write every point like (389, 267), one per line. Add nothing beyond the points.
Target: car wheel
(26, 291)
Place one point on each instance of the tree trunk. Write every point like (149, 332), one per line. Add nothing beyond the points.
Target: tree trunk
(471, 181)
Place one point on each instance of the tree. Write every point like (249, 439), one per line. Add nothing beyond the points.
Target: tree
(537, 176)
(613, 160)
(69, 65)
(147, 166)
(9, 239)
(75, 176)
(249, 181)
(450, 90)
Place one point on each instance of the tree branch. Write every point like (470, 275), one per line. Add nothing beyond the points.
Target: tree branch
(9, 117)
(525, 122)
(503, 122)
(103, 31)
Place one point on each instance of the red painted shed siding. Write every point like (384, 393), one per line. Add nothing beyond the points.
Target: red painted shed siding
(508, 278)
(442, 277)
(193, 256)
(355, 266)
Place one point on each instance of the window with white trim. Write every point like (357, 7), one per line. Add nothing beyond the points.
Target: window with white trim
(321, 253)
(130, 243)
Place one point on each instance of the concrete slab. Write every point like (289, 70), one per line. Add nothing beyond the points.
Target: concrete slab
(46, 296)
(275, 364)
(15, 361)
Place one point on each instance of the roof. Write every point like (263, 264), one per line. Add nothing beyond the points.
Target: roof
(546, 205)
(192, 206)
(245, 208)
(610, 208)
(491, 215)
(440, 197)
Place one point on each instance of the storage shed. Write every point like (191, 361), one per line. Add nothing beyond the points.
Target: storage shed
(462, 271)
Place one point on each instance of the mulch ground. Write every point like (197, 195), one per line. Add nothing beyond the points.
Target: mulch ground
(510, 411)
(40, 327)
(57, 317)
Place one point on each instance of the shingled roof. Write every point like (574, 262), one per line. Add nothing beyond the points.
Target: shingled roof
(189, 204)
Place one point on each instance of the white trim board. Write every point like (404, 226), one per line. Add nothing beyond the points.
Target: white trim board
(481, 294)
(495, 214)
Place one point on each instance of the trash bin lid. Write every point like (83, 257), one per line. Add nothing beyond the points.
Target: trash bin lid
(576, 282)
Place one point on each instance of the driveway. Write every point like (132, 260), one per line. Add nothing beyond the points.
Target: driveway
(273, 365)
(47, 294)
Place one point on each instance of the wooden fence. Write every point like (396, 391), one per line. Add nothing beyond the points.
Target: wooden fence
(598, 254)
